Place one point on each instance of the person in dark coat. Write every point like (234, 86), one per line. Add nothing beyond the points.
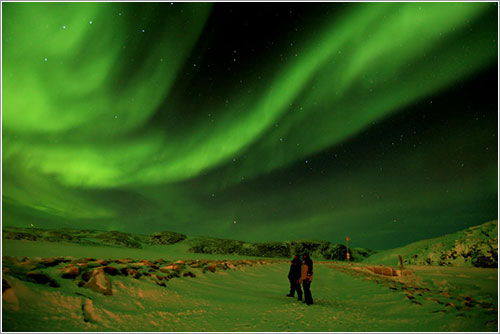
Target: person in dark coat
(294, 276)
(306, 278)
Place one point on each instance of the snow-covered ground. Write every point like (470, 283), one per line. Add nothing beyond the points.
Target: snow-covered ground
(251, 298)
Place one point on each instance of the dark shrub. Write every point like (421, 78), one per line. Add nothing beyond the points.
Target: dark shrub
(19, 236)
(117, 238)
(273, 249)
(485, 262)
(166, 238)
(336, 252)
(313, 248)
(215, 246)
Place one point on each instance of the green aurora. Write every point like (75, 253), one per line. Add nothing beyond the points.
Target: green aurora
(373, 120)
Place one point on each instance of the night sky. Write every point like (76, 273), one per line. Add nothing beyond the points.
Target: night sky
(251, 121)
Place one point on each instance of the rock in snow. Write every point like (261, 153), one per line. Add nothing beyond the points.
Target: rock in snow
(70, 271)
(41, 278)
(211, 268)
(100, 282)
(111, 270)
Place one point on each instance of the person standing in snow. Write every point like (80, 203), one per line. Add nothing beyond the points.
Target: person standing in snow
(294, 276)
(306, 278)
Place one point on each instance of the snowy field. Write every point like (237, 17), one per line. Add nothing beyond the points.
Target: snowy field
(251, 298)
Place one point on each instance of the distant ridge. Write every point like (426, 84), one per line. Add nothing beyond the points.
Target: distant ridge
(92, 237)
(318, 249)
(475, 246)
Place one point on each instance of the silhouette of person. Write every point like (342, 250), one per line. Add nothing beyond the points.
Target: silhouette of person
(306, 278)
(294, 276)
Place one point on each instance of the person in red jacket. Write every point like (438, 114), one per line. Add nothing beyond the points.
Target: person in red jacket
(306, 278)
(294, 276)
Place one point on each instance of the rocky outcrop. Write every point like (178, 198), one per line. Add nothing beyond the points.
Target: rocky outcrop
(5, 285)
(130, 272)
(89, 274)
(188, 274)
(71, 271)
(211, 268)
(111, 270)
(476, 246)
(52, 261)
(9, 298)
(99, 282)
(172, 267)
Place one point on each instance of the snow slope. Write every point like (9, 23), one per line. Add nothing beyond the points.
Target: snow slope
(249, 297)
(252, 298)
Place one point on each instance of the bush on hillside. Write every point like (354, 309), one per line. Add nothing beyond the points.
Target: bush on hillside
(166, 238)
(215, 246)
(116, 238)
(272, 249)
(336, 252)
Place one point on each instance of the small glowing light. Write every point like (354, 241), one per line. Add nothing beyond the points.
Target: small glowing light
(234, 221)
(90, 22)
(46, 59)
(64, 27)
